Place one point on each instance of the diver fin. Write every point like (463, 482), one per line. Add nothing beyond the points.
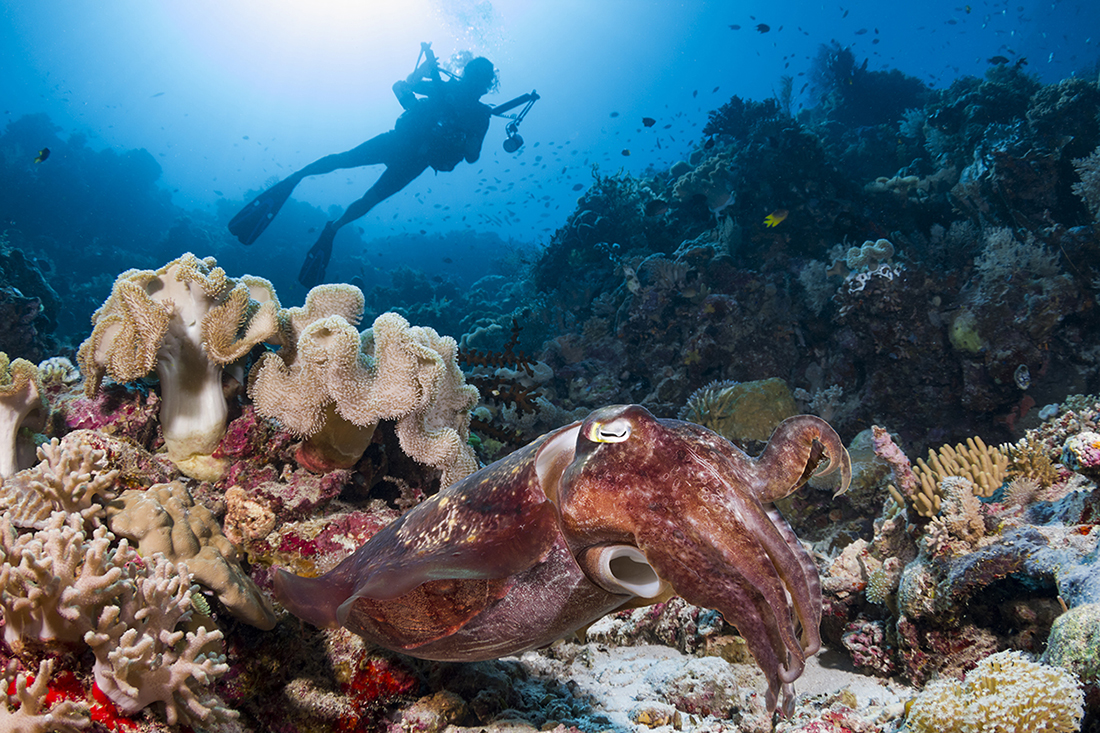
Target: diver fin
(313, 269)
(251, 221)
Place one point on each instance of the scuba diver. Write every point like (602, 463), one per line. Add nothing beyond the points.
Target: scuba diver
(439, 129)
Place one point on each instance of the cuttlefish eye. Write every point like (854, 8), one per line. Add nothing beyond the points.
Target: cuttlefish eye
(612, 431)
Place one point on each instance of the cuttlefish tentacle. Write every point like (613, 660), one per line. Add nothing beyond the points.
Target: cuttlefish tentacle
(793, 455)
(701, 511)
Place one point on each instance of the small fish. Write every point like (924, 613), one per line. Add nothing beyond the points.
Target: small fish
(614, 114)
(423, 231)
(656, 207)
(447, 261)
(626, 153)
(578, 186)
(708, 144)
(42, 155)
(763, 27)
(735, 27)
(649, 121)
(158, 94)
(775, 218)
(861, 31)
(311, 230)
(997, 60)
(695, 94)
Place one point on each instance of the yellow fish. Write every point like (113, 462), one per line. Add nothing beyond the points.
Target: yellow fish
(775, 218)
(42, 155)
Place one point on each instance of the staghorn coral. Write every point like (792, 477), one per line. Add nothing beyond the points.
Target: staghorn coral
(338, 385)
(186, 321)
(165, 519)
(70, 475)
(142, 658)
(1005, 693)
(21, 405)
(32, 697)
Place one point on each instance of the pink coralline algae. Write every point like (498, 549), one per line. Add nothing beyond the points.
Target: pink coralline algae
(117, 410)
(866, 641)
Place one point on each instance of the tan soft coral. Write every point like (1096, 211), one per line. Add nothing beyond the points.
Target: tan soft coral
(21, 405)
(186, 321)
(335, 385)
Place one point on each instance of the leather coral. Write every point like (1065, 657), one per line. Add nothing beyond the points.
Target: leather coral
(186, 321)
(332, 385)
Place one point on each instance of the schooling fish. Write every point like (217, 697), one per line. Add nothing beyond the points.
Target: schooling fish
(763, 27)
(42, 155)
(649, 121)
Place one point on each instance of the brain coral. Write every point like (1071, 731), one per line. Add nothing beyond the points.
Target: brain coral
(1005, 693)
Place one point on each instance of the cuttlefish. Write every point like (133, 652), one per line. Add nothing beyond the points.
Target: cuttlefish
(617, 509)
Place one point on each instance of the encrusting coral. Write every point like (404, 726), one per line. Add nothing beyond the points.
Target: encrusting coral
(335, 386)
(186, 321)
(21, 405)
(31, 697)
(165, 519)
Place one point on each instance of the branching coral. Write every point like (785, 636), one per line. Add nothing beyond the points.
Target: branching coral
(53, 582)
(165, 519)
(336, 387)
(1005, 693)
(21, 405)
(186, 321)
(984, 466)
(69, 477)
(31, 697)
(142, 658)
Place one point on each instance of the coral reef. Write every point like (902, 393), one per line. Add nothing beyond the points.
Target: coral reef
(1004, 693)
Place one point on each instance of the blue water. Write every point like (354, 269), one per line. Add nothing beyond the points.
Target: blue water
(189, 109)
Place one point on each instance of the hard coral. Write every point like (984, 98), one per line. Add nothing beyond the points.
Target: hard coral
(141, 657)
(1005, 693)
(165, 519)
(69, 477)
(30, 693)
(186, 320)
(335, 391)
(21, 405)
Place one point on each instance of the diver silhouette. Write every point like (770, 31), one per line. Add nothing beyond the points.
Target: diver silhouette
(443, 126)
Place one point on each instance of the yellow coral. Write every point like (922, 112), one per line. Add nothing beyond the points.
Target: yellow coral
(1005, 693)
(984, 466)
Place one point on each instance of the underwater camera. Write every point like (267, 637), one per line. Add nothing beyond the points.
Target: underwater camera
(514, 141)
